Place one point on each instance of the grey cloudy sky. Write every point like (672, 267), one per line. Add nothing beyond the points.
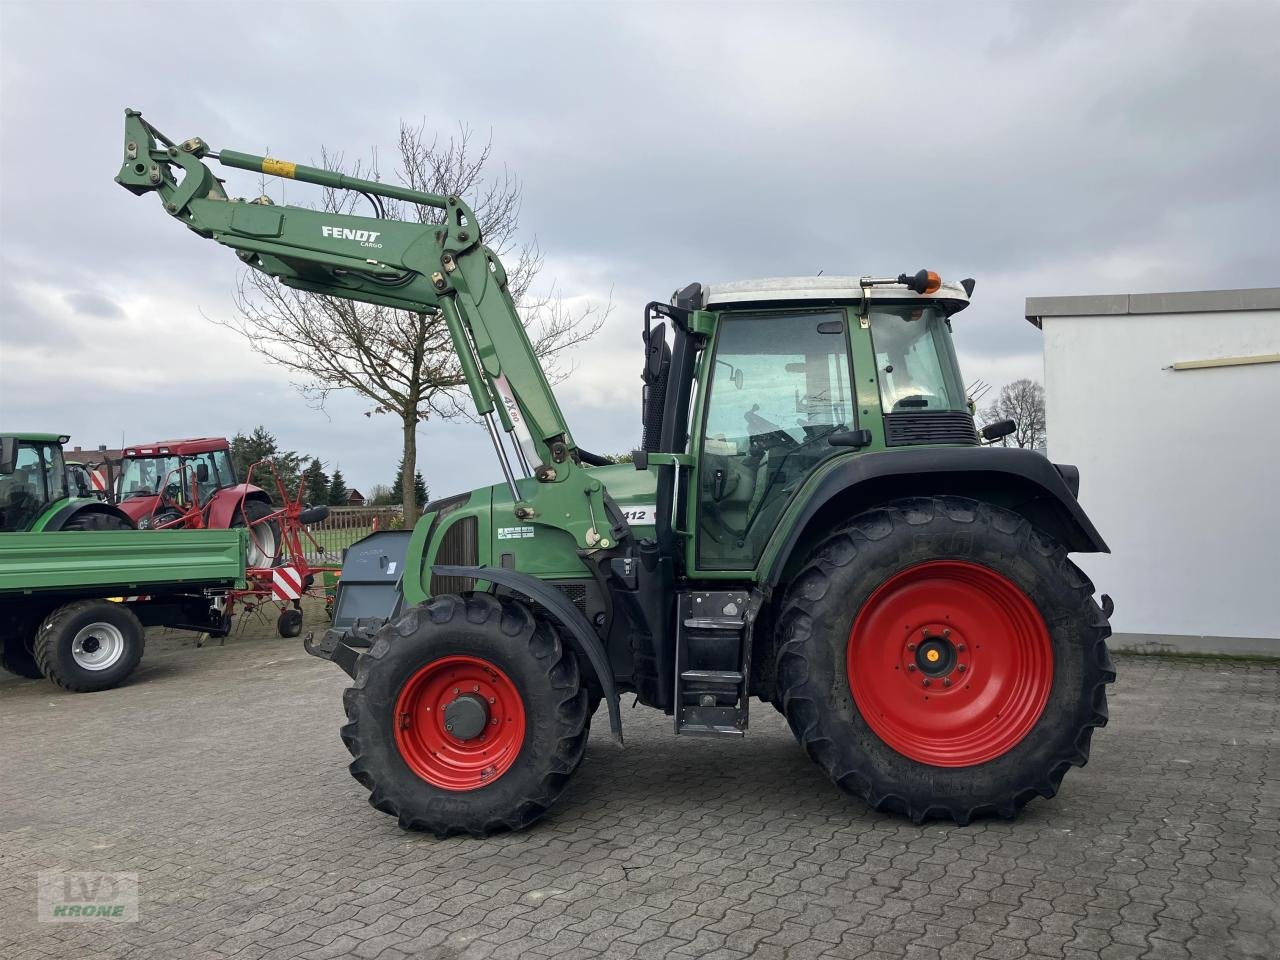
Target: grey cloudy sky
(1041, 148)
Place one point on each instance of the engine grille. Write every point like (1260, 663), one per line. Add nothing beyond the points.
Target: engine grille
(941, 426)
(575, 593)
(460, 546)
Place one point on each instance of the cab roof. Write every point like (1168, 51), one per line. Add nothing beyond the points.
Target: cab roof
(38, 437)
(176, 448)
(816, 290)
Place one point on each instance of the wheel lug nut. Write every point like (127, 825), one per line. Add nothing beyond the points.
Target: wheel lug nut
(911, 667)
(946, 682)
(456, 691)
(911, 648)
(962, 668)
(926, 681)
(946, 633)
(492, 700)
(475, 688)
(960, 647)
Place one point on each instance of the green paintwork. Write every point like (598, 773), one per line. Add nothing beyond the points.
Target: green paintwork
(130, 560)
(542, 521)
(410, 266)
(37, 437)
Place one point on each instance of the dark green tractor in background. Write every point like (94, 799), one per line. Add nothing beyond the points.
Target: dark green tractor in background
(812, 520)
(36, 495)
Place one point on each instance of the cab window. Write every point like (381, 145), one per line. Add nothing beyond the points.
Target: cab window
(779, 387)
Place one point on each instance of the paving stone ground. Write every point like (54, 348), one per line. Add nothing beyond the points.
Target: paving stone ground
(217, 776)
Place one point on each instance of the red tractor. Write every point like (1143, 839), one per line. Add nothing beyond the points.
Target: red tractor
(191, 484)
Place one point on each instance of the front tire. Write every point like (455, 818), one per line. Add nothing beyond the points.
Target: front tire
(89, 645)
(468, 715)
(941, 657)
(95, 520)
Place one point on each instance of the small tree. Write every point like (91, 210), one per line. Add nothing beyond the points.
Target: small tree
(261, 445)
(1022, 402)
(380, 495)
(420, 493)
(403, 362)
(337, 490)
(315, 483)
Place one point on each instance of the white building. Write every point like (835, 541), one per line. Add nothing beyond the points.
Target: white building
(1169, 403)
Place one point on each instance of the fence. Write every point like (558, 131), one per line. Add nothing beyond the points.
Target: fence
(344, 526)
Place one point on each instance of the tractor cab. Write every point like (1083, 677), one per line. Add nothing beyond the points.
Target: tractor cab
(32, 477)
(35, 493)
(169, 477)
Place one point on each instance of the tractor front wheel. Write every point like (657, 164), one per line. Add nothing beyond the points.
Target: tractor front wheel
(943, 658)
(468, 715)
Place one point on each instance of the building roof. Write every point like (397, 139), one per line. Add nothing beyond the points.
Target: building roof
(790, 289)
(1133, 304)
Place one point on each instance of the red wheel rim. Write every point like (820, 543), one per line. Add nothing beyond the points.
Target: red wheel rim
(458, 695)
(950, 663)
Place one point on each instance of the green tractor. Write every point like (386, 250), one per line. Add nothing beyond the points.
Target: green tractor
(812, 520)
(35, 496)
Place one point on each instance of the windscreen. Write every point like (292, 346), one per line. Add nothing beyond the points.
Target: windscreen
(916, 360)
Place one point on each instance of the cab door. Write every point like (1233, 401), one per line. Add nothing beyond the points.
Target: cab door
(779, 385)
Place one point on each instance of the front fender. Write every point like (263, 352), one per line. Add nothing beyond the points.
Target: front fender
(1020, 480)
(63, 515)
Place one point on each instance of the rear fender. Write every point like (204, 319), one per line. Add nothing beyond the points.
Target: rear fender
(1019, 480)
(226, 503)
(78, 508)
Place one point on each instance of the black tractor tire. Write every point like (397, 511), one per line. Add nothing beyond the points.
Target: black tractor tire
(89, 645)
(16, 657)
(289, 624)
(544, 674)
(159, 519)
(816, 657)
(270, 554)
(95, 520)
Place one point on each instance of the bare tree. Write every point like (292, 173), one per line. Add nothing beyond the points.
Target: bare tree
(1022, 402)
(403, 362)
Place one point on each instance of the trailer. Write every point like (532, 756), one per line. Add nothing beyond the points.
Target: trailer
(74, 606)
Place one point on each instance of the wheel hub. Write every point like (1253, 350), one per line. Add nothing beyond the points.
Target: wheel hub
(936, 655)
(466, 717)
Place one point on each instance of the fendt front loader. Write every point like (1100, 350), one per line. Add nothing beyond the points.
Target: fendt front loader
(812, 520)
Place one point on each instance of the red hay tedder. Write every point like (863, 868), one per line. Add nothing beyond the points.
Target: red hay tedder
(191, 485)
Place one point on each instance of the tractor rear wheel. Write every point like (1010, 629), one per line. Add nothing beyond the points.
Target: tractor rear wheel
(468, 715)
(264, 535)
(89, 645)
(93, 520)
(941, 657)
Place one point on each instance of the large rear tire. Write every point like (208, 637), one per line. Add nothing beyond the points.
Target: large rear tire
(264, 535)
(89, 645)
(941, 657)
(468, 715)
(93, 520)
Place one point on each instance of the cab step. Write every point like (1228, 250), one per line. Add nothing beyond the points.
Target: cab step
(713, 662)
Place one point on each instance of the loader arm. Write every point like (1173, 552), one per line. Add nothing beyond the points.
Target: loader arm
(425, 268)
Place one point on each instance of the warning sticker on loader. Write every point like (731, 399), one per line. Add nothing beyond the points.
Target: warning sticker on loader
(515, 533)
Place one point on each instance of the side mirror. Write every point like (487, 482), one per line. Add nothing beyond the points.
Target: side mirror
(202, 473)
(8, 455)
(737, 378)
(850, 438)
(1001, 428)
